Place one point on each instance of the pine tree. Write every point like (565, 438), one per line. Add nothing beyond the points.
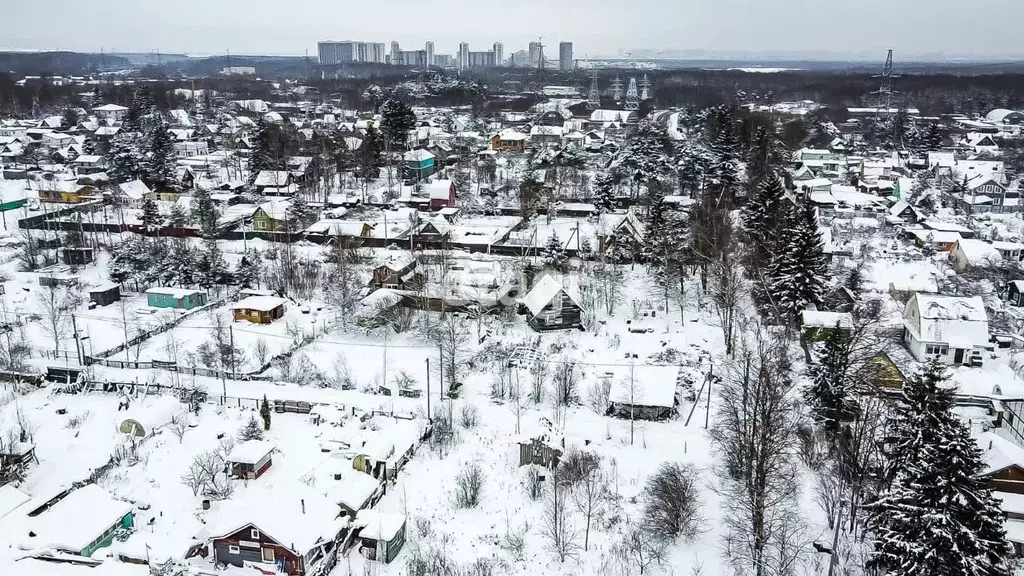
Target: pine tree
(150, 213)
(299, 213)
(265, 413)
(204, 213)
(800, 276)
(262, 156)
(127, 161)
(726, 148)
(251, 431)
(931, 141)
(938, 516)
(765, 217)
(397, 119)
(370, 153)
(247, 274)
(178, 217)
(604, 192)
(161, 173)
(140, 104)
(554, 255)
(830, 395)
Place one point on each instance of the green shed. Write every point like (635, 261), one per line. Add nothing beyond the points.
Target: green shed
(381, 534)
(180, 298)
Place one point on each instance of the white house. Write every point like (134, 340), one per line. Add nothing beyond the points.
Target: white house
(133, 193)
(953, 329)
(977, 253)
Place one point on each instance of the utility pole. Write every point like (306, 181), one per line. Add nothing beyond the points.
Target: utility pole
(231, 336)
(430, 420)
(707, 409)
(835, 540)
(78, 344)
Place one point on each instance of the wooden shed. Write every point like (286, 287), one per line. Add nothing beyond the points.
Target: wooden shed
(539, 451)
(250, 459)
(552, 306)
(105, 294)
(381, 535)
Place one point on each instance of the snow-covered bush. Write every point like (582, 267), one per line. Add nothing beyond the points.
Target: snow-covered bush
(469, 485)
(251, 431)
(469, 416)
(534, 484)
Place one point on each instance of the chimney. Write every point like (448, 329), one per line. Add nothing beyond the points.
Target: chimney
(990, 444)
(303, 503)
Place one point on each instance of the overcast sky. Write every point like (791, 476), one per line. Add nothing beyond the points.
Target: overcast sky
(597, 27)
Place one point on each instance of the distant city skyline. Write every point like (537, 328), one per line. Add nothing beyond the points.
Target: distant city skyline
(610, 28)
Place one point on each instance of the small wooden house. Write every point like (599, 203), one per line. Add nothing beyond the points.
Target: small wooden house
(259, 309)
(419, 164)
(105, 294)
(1004, 464)
(271, 216)
(884, 373)
(397, 271)
(509, 140)
(643, 392)
(381, 535)
(551, 306)
(441, 193)
(839, 299)
(250, 459)
(818, 326)
(1015, 293)
(290, 529)
(179, 298)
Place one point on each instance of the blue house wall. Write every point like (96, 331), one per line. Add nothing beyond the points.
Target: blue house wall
(190, 301)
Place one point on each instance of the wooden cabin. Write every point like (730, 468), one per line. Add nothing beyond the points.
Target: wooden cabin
(105, 294)
(250, 459)
(397, 271)
(551, 306)
(381, 535)
(259, 309)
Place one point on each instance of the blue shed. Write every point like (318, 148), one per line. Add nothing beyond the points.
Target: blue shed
(180, 298)
(419, 164)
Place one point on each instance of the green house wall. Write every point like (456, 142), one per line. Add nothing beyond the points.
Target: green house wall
(168, 301)
(108, 536)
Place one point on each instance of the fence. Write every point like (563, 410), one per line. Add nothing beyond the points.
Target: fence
(147, 335)
(185, 394)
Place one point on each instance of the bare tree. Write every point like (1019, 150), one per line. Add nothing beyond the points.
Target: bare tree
(195, 477)
(179, 425)
(516, 400)
(558, 527)
(599, 394)
(755, 432)
(566, 383)
(260, 351)
(671, 504)
(641, 550)
(452, 342)
(590, 496)
(57, 306)
(539, 374)
(469, 416)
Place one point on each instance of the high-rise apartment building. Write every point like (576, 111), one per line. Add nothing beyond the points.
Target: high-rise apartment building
(396, 54)
(347, 51)
(481, 59)
(565, 61)
(499, 54)
(463, 55)
(430, 53)
(536, 54)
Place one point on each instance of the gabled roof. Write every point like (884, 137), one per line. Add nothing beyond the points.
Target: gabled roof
(250, 451)
(418, 155)
(509, 134)
(276, 209)
(439, 189)
(273, 178)
(136, 189)
(1000, 453)
(543, 292)
(294, 515)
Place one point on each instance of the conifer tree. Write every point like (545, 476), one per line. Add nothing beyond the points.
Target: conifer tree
(800, 276)
(247, 274)
(204, 213)
(127, 161)
(178, 217)
(554, 253)
(160, 164)
(397, 119)
(251, 430)
(265, 412)
(262, 156)
(150, 213)
(765, 218)
(830, 395)
(299, 213)
(939, 515)
(605, 193)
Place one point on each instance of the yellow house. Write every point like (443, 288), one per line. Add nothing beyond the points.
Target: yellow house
(509, 140)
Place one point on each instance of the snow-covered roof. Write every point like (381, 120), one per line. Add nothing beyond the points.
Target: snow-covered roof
(548, 131)
(645, 386)
(250, 451)
(814, 183)
(1003, 246)
(272, 178)
(1000, 453)
(11, 498)
(276, 209)
(999, 115)
(78, 519)
(942, 159)
(397, 260)
(439, 189)
(136, 189)
(260, 303)
(152, 413)
(88, 159)
(977, 252)
(946, 226)
(174, 292)
(612, 115)
(510, 134)
(542, 293)
(378, 525)
(417, 155)
(110, 108)
(943, 318)
(819, 319)
(295, 515)
(937, 236)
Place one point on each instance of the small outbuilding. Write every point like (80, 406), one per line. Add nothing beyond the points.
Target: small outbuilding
(552, 306)
(259, 309)
(1016, 293)
(180, 298)
(145, 416)
(381, 535)
(643, 392)
(250, 459)
(817, 325)
(105, 294)
(539, 451)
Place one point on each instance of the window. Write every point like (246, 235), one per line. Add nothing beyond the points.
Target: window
(259, 224)
(936, 349)
(255, 534)
(233, 550)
